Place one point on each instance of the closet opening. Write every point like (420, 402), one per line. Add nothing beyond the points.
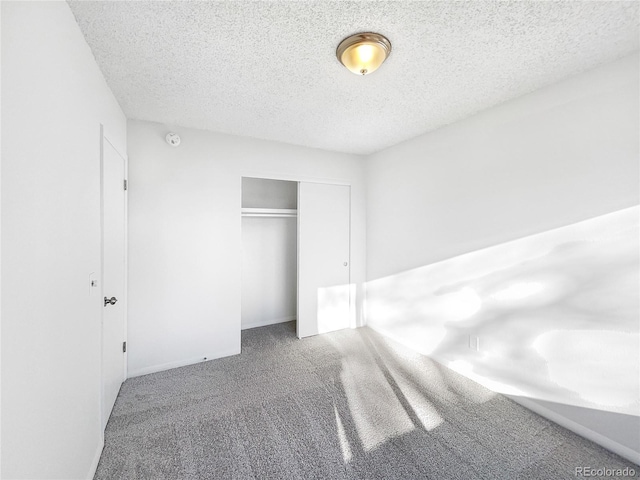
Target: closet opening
(269, 252)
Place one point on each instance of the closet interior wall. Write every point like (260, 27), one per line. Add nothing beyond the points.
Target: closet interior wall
(269, 251)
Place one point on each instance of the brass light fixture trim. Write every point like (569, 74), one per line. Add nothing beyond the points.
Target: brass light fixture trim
(363, 53)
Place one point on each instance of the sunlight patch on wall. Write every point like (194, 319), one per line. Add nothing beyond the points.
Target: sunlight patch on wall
(457, 305)
(353, 301)
(518, 291)
(533, 290)
(494, 314)
(465, 368)
(334, 310)
(602, 367)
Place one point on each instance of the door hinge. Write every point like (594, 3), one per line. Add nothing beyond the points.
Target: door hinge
(125, 184)
(124, 347)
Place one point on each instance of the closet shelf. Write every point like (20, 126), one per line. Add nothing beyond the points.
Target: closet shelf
(269, 212)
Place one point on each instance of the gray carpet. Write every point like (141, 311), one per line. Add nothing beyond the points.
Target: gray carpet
(349, 404)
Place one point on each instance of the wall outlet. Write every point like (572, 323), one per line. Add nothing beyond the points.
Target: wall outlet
(474, 343)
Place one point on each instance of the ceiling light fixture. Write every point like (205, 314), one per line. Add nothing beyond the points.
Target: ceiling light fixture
(363, 53)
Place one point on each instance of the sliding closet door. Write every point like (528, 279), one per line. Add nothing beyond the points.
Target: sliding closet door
(323, 261)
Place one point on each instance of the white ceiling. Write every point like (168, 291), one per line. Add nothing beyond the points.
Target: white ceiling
(268, 69)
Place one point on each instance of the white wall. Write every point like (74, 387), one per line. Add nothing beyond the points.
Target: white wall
(565, 153)
(53, 101)
(269, 270)
(559, 155)
(185, 236)
(266, 193)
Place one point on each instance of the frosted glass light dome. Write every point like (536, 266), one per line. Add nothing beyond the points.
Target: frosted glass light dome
(363, 53)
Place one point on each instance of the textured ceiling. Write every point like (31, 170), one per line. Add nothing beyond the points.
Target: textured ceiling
(268, 69)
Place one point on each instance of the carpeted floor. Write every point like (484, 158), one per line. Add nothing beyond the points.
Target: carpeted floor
(349, 404)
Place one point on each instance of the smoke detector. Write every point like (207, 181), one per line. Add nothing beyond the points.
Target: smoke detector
(173, 139)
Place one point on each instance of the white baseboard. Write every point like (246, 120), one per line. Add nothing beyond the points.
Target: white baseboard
(182, 363)
(595, 437)
(264, 323)
(96, 459)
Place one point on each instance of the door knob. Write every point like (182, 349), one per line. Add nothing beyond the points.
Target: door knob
(345, 264)
(111, 301)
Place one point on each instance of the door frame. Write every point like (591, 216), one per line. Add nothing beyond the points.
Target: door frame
(298, 179)
(104, 136)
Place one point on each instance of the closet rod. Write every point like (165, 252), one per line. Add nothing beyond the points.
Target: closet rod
(269, 212)
(284, 215)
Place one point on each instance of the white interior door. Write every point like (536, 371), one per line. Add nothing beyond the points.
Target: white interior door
(113, 276)
(323, 258)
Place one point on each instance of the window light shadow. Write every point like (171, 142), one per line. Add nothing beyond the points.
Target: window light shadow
(334, 308)
(553, 316)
